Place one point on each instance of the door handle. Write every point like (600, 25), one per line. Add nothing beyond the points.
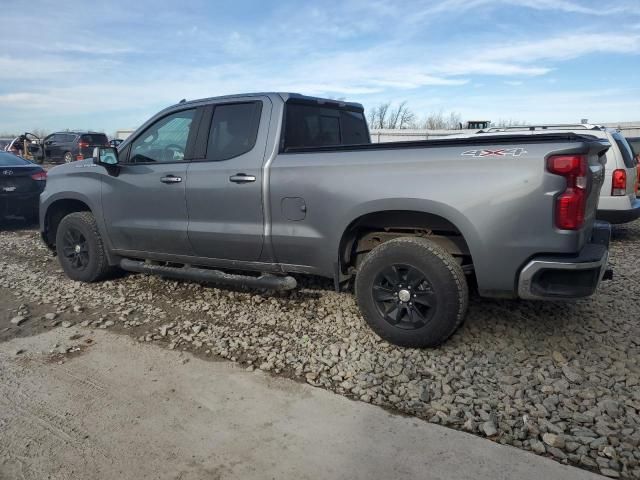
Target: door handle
(242, 178)
(171, 179)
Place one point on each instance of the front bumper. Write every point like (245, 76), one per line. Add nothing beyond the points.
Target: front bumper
(560, 277)
(621, 216)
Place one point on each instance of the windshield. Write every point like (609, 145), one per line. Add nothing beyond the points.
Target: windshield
(10, 160)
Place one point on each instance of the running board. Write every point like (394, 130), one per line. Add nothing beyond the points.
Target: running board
(271, 282)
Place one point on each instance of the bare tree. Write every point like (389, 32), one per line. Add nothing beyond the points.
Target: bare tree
(394, 116)
(454, 121)
(387, 116)
(401, 116)
(435, 121)
(40, 132)
(407, 118)
(373, 117)
(383, 111)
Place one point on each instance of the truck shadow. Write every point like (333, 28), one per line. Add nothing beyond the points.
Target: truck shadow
(628, 232)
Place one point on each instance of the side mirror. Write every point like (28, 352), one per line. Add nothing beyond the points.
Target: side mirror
(105, 156)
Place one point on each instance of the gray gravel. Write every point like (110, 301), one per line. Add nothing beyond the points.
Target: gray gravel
(559, 379)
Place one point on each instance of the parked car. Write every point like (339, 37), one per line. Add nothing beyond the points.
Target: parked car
(282, 183)
(21, 183)
(634, 143)
(115, 142)
(71, 146)
(26, 145)
(618, 196)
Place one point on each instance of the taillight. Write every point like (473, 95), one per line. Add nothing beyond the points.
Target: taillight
(619, 183)
(79, 157)
(83, 144)
(571, 204)
(638, 180)
(40, 176)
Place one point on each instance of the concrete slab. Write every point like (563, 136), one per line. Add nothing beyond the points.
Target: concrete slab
(123, 410)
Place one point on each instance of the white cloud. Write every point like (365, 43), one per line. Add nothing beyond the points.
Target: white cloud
(564, 47)
(94, 48)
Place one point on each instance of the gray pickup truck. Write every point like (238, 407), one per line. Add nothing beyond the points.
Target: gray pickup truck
(248, 189)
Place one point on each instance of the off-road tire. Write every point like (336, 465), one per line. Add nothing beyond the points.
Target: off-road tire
(443, 273)
(97, 266)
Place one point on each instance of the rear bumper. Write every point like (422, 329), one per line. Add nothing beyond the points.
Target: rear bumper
(560, 277)
(621, 216)
(19, 204)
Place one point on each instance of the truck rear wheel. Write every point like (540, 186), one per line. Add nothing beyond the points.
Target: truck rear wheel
(80, 249)
(412, 292)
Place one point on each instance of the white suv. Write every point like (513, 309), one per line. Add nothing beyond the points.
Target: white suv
(618, 196)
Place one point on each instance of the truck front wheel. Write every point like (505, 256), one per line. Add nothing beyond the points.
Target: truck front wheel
(412, 292)
(80, 249)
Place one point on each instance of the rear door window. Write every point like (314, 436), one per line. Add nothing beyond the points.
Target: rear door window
(234, 129)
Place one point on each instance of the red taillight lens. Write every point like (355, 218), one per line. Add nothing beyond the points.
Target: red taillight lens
(619, 183)
(40, 176)
(570, 209)
(83, 144)
(79, 157)
(567, 165)
(571, 204)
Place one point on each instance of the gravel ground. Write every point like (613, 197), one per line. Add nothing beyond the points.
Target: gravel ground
(559, 379)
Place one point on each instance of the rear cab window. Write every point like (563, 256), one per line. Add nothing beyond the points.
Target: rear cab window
(312, 124)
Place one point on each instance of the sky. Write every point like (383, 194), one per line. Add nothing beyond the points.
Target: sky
(110, 65)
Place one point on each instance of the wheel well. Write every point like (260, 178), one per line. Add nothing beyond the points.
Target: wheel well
(56, 212)
(369, 231)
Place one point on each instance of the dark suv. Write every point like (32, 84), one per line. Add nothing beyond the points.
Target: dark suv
(70, 146)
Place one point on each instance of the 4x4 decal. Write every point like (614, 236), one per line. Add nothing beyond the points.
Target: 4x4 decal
(501, 152)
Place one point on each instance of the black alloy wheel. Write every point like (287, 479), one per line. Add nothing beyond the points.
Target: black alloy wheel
(75, 248)
(404, 296)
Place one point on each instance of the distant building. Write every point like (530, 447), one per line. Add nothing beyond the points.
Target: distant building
(124, 133)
